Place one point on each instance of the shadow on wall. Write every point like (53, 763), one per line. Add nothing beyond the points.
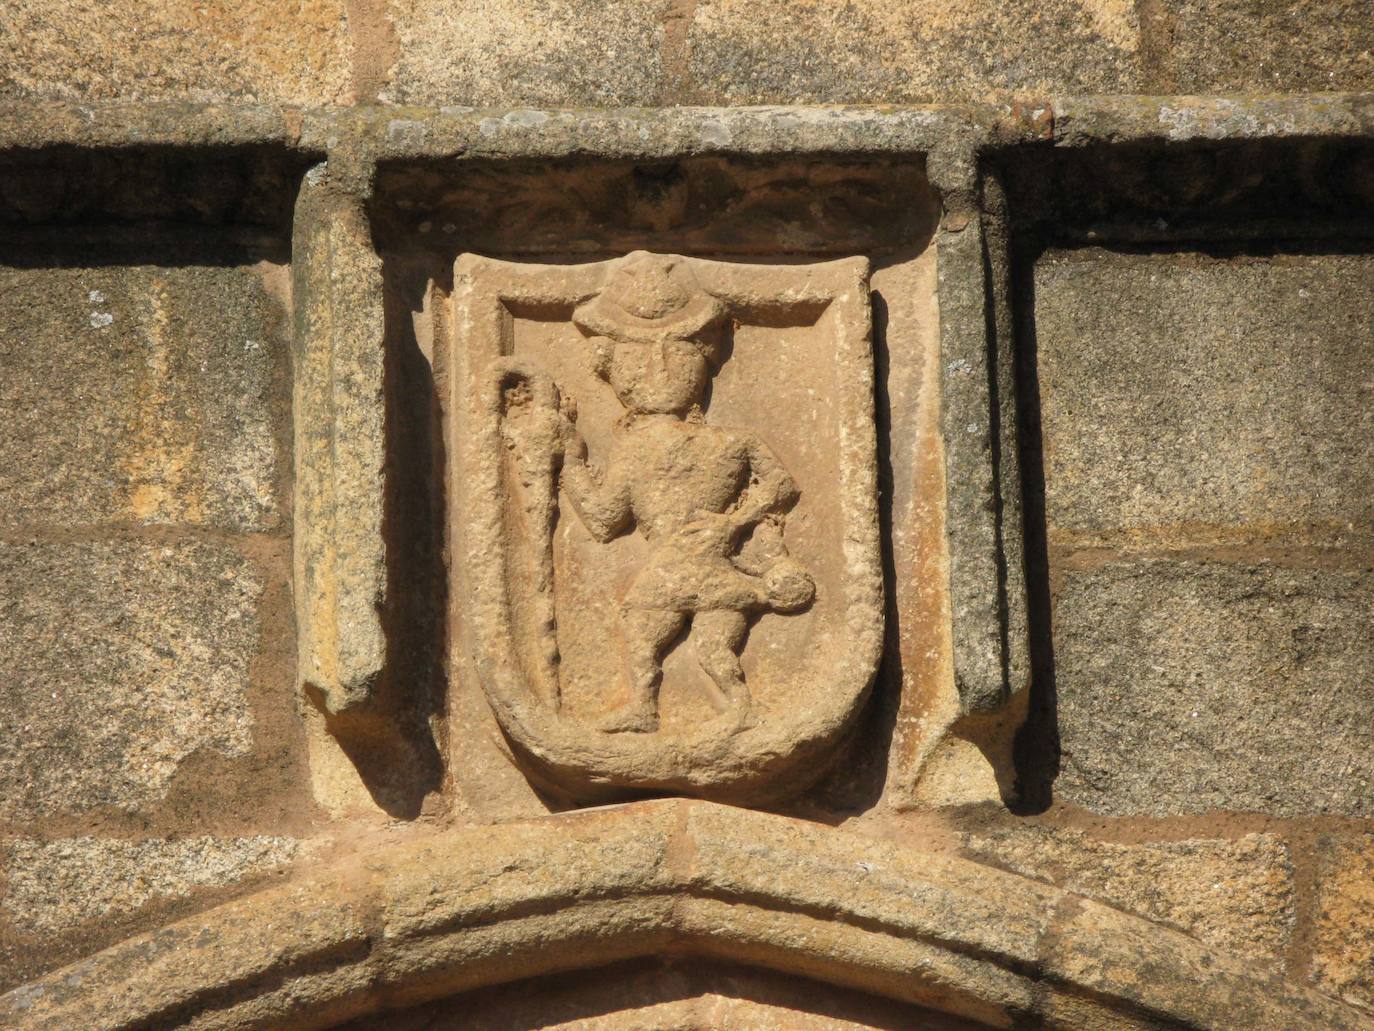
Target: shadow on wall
(397, 756)
(1036, 751)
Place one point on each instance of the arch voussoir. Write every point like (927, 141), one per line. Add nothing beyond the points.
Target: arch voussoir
(471, 907)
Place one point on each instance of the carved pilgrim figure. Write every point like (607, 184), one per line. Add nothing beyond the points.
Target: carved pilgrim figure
(694, 491)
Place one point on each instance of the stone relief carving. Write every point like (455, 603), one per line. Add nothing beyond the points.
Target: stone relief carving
(644, 610)
(694, 491)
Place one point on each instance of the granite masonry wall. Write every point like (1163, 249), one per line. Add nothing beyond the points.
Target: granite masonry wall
(1127, 339)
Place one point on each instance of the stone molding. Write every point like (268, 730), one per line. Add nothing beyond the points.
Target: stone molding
(390, 133)
(408, 923)
(340, 568)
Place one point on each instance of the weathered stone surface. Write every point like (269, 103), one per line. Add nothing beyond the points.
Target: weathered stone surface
(178, 49)
(546, 53)
(1343, 939)
(471, 906)
(141, 393)
(55, 885)
(1235, 46)
(1332, 117)
(119, 660)
(1194, 396)
(340, 448)
(1236, 895)
(876, 51)
(1189, 687)
(689, 454)
(31, 125)
(635, 52)
(982, 532)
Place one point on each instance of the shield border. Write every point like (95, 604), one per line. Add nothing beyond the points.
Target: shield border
(765, 761)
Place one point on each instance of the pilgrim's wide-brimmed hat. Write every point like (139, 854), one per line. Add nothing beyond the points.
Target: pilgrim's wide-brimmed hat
(649, 298)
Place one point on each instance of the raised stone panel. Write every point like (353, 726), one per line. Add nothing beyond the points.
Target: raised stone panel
(552, 53)
(1344, 922)
(121, 660)
(142, 394)
(1188, 398)
(874, 51)
(177, 50)
(1179, 685)
(1236, 894)
(655, 450)
(558, 227)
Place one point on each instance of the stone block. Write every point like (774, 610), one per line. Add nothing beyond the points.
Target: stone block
(141, 394)
(56, 885)
(1236, 895)
(1194, 396)
(1190, 687)
(176, 50)
(876, 51)
(118, 661)
(545, 53)
(1247, 46)
(1343, 937)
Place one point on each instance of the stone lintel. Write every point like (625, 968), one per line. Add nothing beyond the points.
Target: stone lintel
(394, 133)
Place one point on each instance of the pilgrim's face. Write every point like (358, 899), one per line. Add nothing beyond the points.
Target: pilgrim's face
(666, 378)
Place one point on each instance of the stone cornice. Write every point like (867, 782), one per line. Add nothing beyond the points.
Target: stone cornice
(390, 133)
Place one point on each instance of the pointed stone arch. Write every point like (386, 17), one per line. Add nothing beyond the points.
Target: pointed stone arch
(394, 927)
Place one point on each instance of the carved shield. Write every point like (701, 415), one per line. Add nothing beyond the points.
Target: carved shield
(665, 530)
